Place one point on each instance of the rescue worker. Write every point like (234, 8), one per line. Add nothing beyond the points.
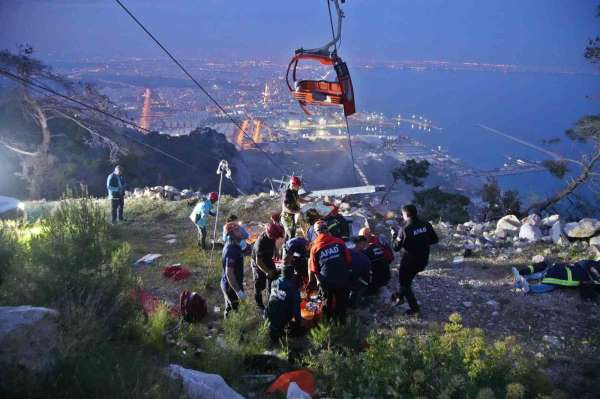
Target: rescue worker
(360, 273)
(329, 264)
(115, 185)
(296, 251)
(283, 309)
(232, 222)
(291, 207)
(200, 215)
(232, 279)
(380, 257)
(557, 275)
(413, 240)
(264, 270)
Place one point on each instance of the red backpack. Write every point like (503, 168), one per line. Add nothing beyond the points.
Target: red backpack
(193, 306)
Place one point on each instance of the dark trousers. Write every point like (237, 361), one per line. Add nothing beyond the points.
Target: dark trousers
(339, 295)
(231, 298)
(406, 276)
(202, 237)
(117, 205)
(261, 281)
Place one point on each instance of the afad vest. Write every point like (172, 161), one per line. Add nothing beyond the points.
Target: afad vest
(332, 264)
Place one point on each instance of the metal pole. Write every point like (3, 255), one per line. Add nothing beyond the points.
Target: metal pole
(220, 172)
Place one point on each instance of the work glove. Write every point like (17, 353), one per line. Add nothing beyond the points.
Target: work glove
(241, 295)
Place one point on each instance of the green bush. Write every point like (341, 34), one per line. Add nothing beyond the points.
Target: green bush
(454, 363)
(151, 331)
(69, 261)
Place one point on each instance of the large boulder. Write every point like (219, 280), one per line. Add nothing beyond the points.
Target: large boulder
(530, 233)
(508, 224)
(198, 385)
(595, 241)
(28, 337)
(533, 219)
(550, 220)
(585, 228)
(556, 232)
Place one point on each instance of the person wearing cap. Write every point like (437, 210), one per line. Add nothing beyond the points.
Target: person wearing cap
(232, 261)
(231, 224)
(291, 207)
(200, 215)
(296, 251)
(380, 257)
(413, 240)
(283, 309)
(264, 270)
(329, 264)
(115, 185)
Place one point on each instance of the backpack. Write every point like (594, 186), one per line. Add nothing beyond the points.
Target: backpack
(193, 306)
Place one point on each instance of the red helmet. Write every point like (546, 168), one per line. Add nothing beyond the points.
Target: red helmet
(274, 231)
(295, 181)
(213, 196)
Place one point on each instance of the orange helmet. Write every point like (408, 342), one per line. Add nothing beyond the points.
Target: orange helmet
(295, 181)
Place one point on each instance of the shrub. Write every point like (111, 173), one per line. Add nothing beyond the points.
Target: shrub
(152, 330)
(69, 261)
(456, 362)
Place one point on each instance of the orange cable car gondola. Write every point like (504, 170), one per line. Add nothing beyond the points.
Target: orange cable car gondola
(323, 92)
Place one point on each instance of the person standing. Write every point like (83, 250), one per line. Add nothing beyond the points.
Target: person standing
(329, 263)
(200, 215)
(115, 184)
(291, 208)
(264, 270)
(413, 240)
(232, 279)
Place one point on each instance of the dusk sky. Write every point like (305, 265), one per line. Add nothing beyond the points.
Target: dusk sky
(527, 32)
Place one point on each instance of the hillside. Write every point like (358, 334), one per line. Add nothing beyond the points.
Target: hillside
(81, 159)
(556, 331)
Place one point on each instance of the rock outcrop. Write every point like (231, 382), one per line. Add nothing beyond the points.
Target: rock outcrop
(585, 228)
(28, 337)
(198, 385)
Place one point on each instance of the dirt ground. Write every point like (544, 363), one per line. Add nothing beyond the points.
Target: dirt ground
(558, 327)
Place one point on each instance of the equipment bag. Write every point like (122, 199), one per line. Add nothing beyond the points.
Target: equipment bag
(193, 306)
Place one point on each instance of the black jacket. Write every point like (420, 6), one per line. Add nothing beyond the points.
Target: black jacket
(414, 241)
(263, 252)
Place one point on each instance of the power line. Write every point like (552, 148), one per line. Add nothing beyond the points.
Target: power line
(189, 75)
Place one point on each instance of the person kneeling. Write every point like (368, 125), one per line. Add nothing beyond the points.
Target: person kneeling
(283, 309)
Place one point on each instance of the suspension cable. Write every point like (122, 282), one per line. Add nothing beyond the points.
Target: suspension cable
(189, 75)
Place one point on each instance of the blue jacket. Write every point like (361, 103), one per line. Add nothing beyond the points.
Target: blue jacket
(284, 303)
(200, 213)
(115, 185)
(232, 258)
